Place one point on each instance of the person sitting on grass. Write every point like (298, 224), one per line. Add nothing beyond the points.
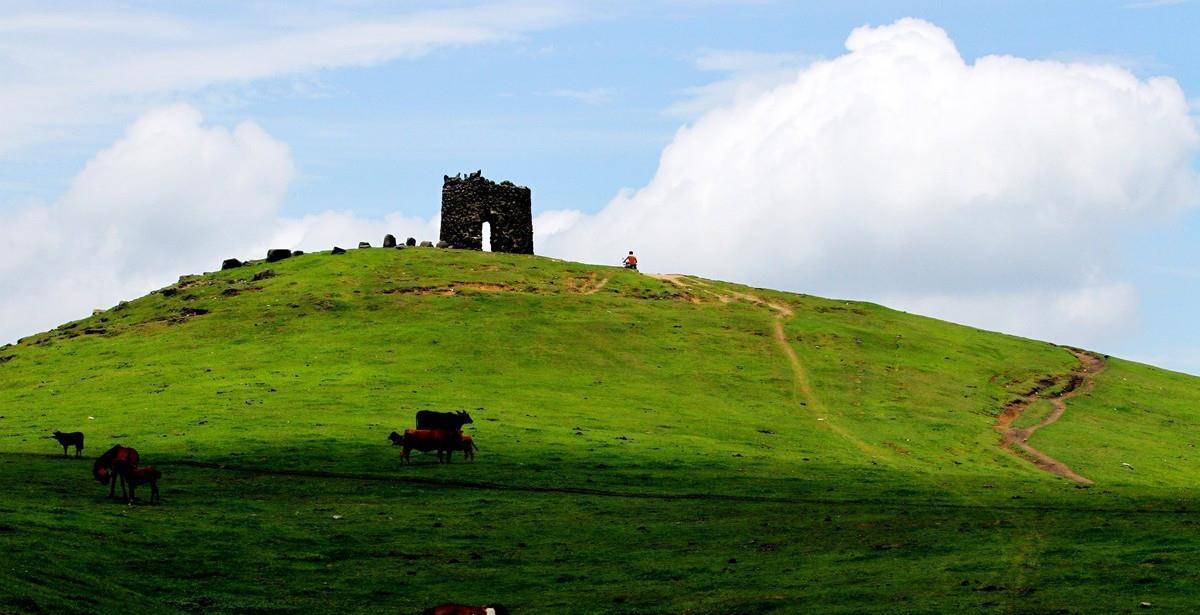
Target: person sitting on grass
(630, 261)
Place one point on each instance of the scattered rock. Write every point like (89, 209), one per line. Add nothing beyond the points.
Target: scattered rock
(410, 242)
(400, 246)
(443, 244)
(389, 241)
(362, 245)
(337, 250)
(231, 263)
(95, 331)
(298, 253)
(230, 292)
(426, 244)
(262, 275)
(97, 312)
(1144, 605)
(169, 292)
(192, 311)
(278, 254)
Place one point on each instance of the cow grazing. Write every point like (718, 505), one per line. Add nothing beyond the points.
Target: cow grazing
(75, 438)
(462, 609)
(425, 440)
(135, 477)
(104, 472)
(452, 421)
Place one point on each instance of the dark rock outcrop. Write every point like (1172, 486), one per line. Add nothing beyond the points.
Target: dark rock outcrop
(297, 252)
(363, 245)
(337, 250)
(426, 244)
(231, 263)
(468, 202)
(278, 254)
(389, 241)
(410, 242)
(443, 244)
(262, 275)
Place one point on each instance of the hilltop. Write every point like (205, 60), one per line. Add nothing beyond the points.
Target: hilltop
(648, 444)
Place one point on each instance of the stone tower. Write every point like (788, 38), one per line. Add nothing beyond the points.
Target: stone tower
(468, 202)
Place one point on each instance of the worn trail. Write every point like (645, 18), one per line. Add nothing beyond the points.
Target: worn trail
(802, 384)
(1057, 390)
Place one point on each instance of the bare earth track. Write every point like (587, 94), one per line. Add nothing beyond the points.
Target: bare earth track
(1061, 388)
(806, 395)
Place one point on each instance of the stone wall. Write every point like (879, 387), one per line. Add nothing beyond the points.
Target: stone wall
(468, 202)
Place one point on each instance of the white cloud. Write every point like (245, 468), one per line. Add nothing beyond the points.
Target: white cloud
(748, 75)
(1150, 4)
(170, 197)
(899, 171)
(71, 68)
(592, 96)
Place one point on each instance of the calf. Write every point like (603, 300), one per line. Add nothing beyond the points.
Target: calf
(75, 438)
(468, 448)
(425, 440)
(462, 609)
(134, 477)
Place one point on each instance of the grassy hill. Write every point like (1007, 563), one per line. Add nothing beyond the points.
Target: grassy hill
(671, 445)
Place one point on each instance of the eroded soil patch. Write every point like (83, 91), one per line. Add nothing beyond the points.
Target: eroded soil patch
(1056, 390)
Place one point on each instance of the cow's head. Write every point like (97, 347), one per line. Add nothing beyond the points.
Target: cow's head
(466, 418)
(395, 438)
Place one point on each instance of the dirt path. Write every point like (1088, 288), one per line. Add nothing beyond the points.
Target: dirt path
(1015, 440)
(595, 289)
(803, 388)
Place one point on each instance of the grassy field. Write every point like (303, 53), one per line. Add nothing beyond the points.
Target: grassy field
(647, 446)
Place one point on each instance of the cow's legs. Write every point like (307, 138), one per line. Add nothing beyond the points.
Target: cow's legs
(154, 492)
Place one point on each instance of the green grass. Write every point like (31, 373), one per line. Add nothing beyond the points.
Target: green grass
(633, 442)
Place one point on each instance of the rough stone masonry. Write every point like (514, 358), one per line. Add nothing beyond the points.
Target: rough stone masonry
(468, 202)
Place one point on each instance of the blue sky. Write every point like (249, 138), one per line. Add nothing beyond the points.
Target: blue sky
(577, 100)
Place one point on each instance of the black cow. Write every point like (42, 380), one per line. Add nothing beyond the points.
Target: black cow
(75, 438)
(453, 421)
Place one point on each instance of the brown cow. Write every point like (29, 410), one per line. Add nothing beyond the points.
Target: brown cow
(462, 609)
(445, 442)
(468, 448)
(135, 476)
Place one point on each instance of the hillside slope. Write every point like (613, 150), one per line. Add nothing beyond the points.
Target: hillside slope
(634, 432)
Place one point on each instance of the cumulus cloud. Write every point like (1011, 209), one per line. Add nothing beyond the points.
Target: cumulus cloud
(990, 192)
(172, 196)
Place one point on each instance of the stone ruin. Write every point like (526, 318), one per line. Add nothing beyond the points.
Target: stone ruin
(468, 202)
